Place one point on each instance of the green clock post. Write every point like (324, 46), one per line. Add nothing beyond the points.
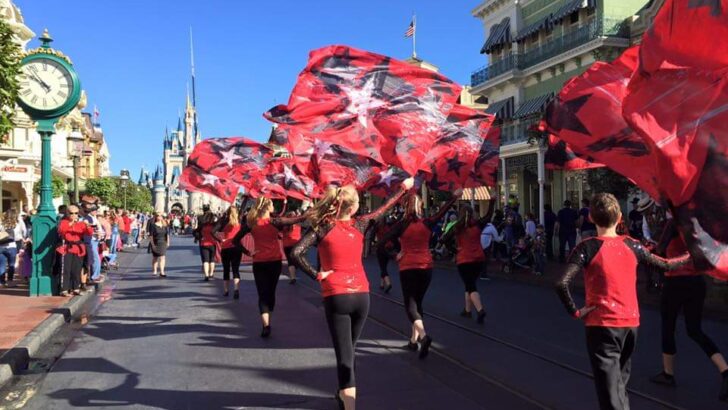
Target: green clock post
(49, 89)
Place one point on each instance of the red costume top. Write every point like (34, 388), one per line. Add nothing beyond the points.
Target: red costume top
(291, 236)
(267, 237)
(72, 235)
(414, 238)
(206, 235)
(610, 279)
(228, 236)
(468, 242)
(340, 245)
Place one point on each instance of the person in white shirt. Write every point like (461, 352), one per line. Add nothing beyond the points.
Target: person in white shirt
(488, 235)
(530, 226)
(11, 231)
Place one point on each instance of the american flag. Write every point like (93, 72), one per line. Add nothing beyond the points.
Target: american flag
(410, 30)
(97, 114)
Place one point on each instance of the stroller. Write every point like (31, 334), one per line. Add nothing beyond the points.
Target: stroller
(520, 256)
(108, 259)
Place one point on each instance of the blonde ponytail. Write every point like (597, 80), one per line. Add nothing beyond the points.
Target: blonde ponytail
(334, 203)
(261, 204)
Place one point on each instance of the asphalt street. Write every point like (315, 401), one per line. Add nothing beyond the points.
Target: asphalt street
(176, 343)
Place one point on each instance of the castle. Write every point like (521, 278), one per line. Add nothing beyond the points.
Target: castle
(167, 195)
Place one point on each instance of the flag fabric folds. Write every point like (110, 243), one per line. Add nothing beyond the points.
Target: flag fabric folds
(372, 105)
(657, 115)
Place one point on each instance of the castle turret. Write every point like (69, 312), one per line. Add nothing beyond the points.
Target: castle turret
(158, 190)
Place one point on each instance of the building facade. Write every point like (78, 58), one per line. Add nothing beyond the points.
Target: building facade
(534, 47)
(20, 151)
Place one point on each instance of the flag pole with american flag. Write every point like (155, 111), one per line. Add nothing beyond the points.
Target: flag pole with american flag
(97, 114)
(412, 32)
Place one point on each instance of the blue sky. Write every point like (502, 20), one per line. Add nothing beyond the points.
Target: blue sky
(133, 56)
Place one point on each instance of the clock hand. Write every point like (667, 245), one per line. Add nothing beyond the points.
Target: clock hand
(42, 83)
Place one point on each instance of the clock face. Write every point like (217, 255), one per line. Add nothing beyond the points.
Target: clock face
(45, 85)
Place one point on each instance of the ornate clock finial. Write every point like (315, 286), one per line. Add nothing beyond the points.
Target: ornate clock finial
(46, 39)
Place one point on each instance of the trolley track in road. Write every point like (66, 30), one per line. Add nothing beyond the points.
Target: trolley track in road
(459, 363)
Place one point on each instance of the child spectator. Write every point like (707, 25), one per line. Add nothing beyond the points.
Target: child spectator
(539, 251)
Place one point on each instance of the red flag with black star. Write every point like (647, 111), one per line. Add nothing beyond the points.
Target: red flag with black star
(372, 105)
(196, 179)
(587, 115)
(560, 156)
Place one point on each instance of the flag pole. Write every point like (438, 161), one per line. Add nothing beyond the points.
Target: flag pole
(414, 36)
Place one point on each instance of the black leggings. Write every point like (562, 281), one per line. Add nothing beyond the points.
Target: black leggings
(346, 315)
(207, 254)
(266, 276)
(414, 286)
(383, 260)
(469, 273)
(686, 293)
(71, 272)
(231, 259)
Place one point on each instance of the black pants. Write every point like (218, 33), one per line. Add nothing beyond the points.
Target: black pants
(383, 260)
(231, 261)
(686, 293)
(565, 239)
(469, 273)
(71, 272)
(266, 276)
(610, 352)
(346, 315)
(207, 254)
(414, 286)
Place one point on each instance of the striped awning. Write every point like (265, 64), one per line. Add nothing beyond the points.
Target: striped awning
(571, 7)
(533, 106)
(482, 193)
(532, 28)
(500, 34)
(502, 109)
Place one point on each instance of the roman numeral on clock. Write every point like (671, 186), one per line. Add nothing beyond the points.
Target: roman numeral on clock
(26, 92)
(34, 99)
(62, 94)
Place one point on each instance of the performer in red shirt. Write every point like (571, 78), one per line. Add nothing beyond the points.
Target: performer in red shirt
(415, 264)
(73, 250)
(227, 233)
(344, 284)
(204, 235)
(291, 236)
(267, 258)
(470, 256)
(611, 313)
(684, 290)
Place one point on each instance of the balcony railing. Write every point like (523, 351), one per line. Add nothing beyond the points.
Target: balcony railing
(582, 35)
(499, 67)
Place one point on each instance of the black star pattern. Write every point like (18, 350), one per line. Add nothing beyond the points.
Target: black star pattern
(715, 6)
(562, 115)
(625, 140)
(454, 164)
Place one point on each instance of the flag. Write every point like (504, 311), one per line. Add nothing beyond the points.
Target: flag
(410, 30)
(97, 114)
(372, 105)
(587, 116)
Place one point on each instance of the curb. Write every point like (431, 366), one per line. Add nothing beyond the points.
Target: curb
(18, 357)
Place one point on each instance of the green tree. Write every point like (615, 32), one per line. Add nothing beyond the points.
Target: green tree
(9, 71)
(58, 185)
(104, 188)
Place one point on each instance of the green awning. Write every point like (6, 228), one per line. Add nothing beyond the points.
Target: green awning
(500, 34)
(533, 106)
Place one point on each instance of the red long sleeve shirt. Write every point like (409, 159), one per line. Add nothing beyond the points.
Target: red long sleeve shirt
(291, 236)
(72, 235)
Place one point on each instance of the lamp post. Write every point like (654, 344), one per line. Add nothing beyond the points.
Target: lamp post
(75, 149)
(124, 176)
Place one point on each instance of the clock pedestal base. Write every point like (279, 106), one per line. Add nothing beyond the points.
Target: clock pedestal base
(45, 233)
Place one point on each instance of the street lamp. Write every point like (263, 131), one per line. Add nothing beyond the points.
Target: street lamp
(124, 181)
(75, 150)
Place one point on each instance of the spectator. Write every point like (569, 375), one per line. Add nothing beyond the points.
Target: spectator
(588, 229)
(11, 230)
(635, 221)
(125, 229)
(539, 250)
(549, 221)
(530, 226)
(489, 238)
(566, 229)
(93, 260)
(72, 232)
